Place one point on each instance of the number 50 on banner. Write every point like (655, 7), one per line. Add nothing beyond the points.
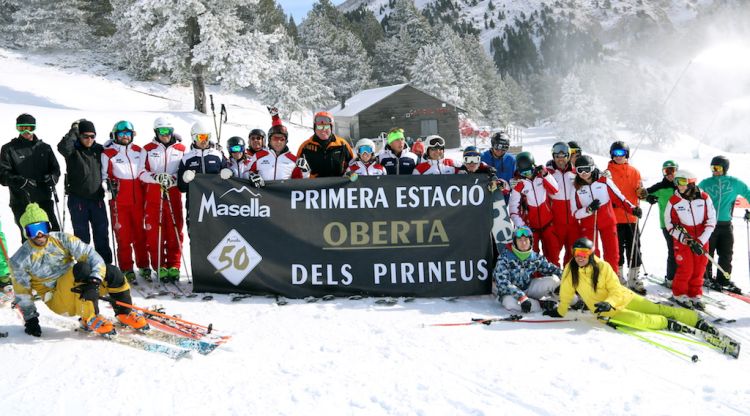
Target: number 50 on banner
(234, 257)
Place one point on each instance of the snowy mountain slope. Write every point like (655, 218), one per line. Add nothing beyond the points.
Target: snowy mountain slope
(348, 357)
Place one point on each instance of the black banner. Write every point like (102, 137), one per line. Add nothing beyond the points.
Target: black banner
(388, 235)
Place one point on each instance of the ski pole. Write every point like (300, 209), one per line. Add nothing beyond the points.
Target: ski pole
(65, 200)
(115, 217)
(57, 200)
(747, 229)
(213, 113)
(177, 235)
(511, 318)
(161, 247)
(222, 120)
(625, 330)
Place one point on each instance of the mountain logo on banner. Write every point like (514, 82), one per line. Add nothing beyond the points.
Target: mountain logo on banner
(234, 257)
(241, 190)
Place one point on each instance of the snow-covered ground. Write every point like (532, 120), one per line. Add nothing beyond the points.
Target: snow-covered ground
(344, 356)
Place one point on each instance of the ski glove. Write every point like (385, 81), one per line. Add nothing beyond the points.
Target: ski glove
(526, 305)
(602, 307)
(594, 205)
(747, 215)
(303, 165)
(652, 199)
(88, 289)
(257, 180)
(226, 173)
(695, 247)
(637, 211)
(273, 111)
(547, 304)
(552, 313)
(188, 176)
(164, 179)
(32, 327)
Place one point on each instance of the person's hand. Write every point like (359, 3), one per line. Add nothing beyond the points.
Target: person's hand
(602, 307)
(188, 176)
(540, 171)
(607, 174)
(642, 193)
(226, 173)
(695, 247)
(637, 211)
(526, 305)
(49, 179)
(552, 313)
(272, 110)
(303, 165)
(747, 215)
(652, 199)
(594, 205)
(257, 180)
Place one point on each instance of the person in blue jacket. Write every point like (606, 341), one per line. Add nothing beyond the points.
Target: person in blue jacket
(498, 157)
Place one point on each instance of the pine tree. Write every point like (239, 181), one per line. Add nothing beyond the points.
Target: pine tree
(45, 24)
(431, 72)
(583, 117)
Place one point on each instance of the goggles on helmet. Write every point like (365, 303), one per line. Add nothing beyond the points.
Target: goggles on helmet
(236, 149)
(201, 137)
(364, 149)
(164, 131)
(500, 146)
(582, 251)
(522, 232)
(619, 153)
(37, 229)
(321, 127)
(323, 120)
(683, 181)
(471, 160)
(438, 142)
(584, 169)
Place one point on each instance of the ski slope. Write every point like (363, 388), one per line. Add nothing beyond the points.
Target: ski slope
(344, 357)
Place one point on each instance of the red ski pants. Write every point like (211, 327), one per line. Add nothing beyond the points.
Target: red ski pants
(688, 279)
(171, 251)
(127, 221)
(609, 243)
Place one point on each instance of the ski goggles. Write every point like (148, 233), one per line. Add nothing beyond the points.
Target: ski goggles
(560, 155)
(322, 120)
(523, 232)
(574, 151)
(474, 159)
(364, 149)
(164, 131)
(124, 133)
(88, 135)
(321, 127)
(202, 137)
(717, 168)
(500, 146)
(25, 127)
(584, 169)
(437, 142)
(527, 173)
(619, 153)
(669, 171)
(582, 252)
(683, 181)
(37, 229)
(236, 149)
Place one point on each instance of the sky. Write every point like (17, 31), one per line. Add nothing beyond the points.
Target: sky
(299, 8)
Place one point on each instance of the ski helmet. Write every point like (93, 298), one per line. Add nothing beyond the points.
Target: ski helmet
(524, 162)
(684, 177)
(364, 146)
(574, 147)
(163, 127)
(619, 148)
(323, 117)
(200, 132)
(257, 132)
(523, 231)
(278, 129)
(122, 126)
(236, 144)
(720, 161)
(435, 141)
(584, 244)
(500, 141)
(670, 166)
(585, 160)
(560, 147)
(472, 155)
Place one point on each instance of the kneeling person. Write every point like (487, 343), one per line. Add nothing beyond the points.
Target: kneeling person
(68, 275)
(523, 276)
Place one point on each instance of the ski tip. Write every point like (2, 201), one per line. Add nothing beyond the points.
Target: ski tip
(694, 358)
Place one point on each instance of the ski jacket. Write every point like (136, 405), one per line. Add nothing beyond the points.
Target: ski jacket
(120, 164)
(402, 164)
(697, 216)
(84, 167)
(723, 191)
(272, 167)
(628, 181)
(240, 168)
(209, 160)
(22, 160)
(370, 169)
(505, 166)
(3, 260)
(436, 167)
(326, 158)
(530, 195)
(33, 265)
(662, 191)
(608, 288)
(513, 275)
(159, 158)
(605, 191)
(561, 210)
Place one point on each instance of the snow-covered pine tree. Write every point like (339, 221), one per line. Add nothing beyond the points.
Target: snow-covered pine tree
(432, 73)
(521, 104)
(44, 24)
(583, 117)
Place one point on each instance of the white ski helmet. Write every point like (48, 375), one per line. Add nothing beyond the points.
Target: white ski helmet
(199, 128)
(364, 142)
(684, 174)
(162, 122)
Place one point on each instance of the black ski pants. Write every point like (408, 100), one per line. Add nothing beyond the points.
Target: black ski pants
(721, 242)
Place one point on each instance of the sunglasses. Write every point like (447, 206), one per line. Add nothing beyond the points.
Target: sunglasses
(255, 137)
(582, 252)
(164, 131)
(717, 168)
(364, 149)
(471, 160)
(522, 232)
(124, 133)
(236, 149)
(560, 155)
(619, 153)
(321, 127)
(88, 136)
(37, 229)
(203, 137)
(25, 127)
(584, 169)
(669, 171)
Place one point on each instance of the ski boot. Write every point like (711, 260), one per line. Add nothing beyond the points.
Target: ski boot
(173, 273)
(635, 283)
(98, 324)
(134, 320)
(129, 275)
(682, 300)
(145, 274)
(164, 274)
(728, 285)
(698, 304)
(706, 327)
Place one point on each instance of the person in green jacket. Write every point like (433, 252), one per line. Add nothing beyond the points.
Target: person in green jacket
(6, 288)
(661, 192)
(723, 191)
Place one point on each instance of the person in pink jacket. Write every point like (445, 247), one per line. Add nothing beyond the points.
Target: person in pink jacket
(690, 218)
(592, 205)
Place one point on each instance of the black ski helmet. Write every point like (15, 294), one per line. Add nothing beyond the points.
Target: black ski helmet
(584, 242)
(258, 132)
(560, 147)
(619, 145)
(500, 141)
(524, 161)
(721, 161)
(235, 141)
(585, 160)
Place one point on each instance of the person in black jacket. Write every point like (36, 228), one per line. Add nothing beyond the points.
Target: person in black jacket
(29, 168)
(83, 157)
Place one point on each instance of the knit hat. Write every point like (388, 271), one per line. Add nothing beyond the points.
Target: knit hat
(395, 134)
(25, 120)
(85, 126)
(33, 214)
(277, 127)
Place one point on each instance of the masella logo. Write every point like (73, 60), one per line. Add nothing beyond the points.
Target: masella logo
(252, 209)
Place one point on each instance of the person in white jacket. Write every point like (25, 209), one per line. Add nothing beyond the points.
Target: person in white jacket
(365, 162)
(435, 163)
